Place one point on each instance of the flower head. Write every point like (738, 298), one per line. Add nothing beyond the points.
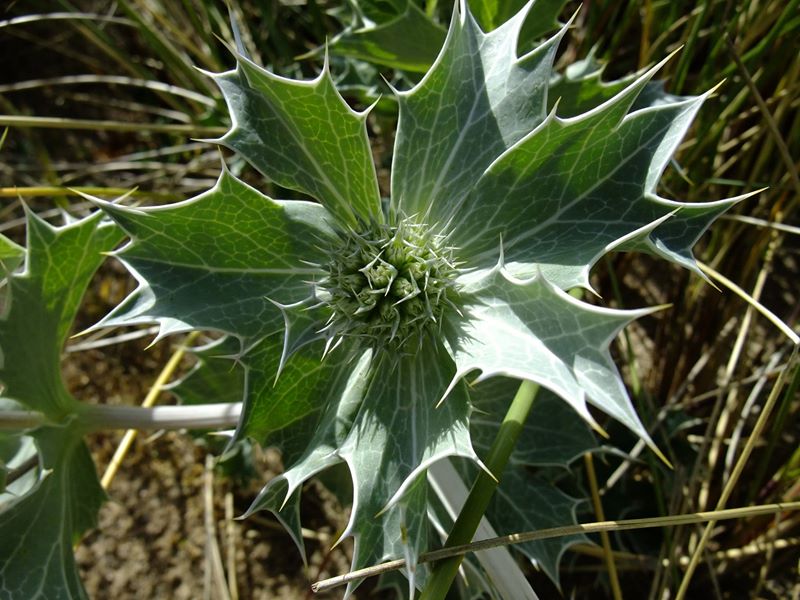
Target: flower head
(388, 284)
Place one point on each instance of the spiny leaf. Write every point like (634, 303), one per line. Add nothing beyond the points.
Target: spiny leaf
(42, 302)
(532, 330)
(477, 99)
(286, 411)
(39, 528)
(396, 435)
(219, 260)
(407, 40)
(382, 421)
(525, 502)
(581, 88)
(320, 440)
(555, 193)
(274, 119)
(568, 180)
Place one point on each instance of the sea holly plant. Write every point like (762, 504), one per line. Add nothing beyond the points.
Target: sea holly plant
(366, 327)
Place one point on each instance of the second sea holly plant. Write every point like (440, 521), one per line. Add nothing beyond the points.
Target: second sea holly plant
(364, 323)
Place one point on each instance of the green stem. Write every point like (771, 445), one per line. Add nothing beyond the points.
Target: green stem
(482, 490)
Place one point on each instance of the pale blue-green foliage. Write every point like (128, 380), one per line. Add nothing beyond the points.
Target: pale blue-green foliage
(532, 330)
(39, 528)
(529, 200)
(285, 114)
(251, 257)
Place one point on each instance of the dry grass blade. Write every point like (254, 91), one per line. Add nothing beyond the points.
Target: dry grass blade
(231, 538)
(783, 149)
(98, 125)
(519, 538)
(64, 16)
(108, 79)
(737, 471)
(763, 223)
(598, 511)
(771, 316)
(38, 191)
(215, 573)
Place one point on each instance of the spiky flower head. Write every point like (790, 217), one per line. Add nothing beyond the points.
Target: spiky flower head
(387, 285)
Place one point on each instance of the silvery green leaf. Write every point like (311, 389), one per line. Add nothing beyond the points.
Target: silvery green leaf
(338, 404)
(275, 118)
(42, 301)
(575, 194)
(329, 396)
(220, 260)
(39, 528)
(285, 507)
(553, 192)
(397, 434)
(477, 100)
(532, 330)
(581, 88)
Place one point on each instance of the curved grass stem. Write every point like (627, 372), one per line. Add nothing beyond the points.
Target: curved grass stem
(444, 573)
(585, 528)
(105, 125)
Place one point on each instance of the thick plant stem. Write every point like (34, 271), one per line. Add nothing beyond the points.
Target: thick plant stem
(99, 417)
(444, 573)
(201, 416)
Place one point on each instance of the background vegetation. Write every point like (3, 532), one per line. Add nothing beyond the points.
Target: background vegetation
(100, 94)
